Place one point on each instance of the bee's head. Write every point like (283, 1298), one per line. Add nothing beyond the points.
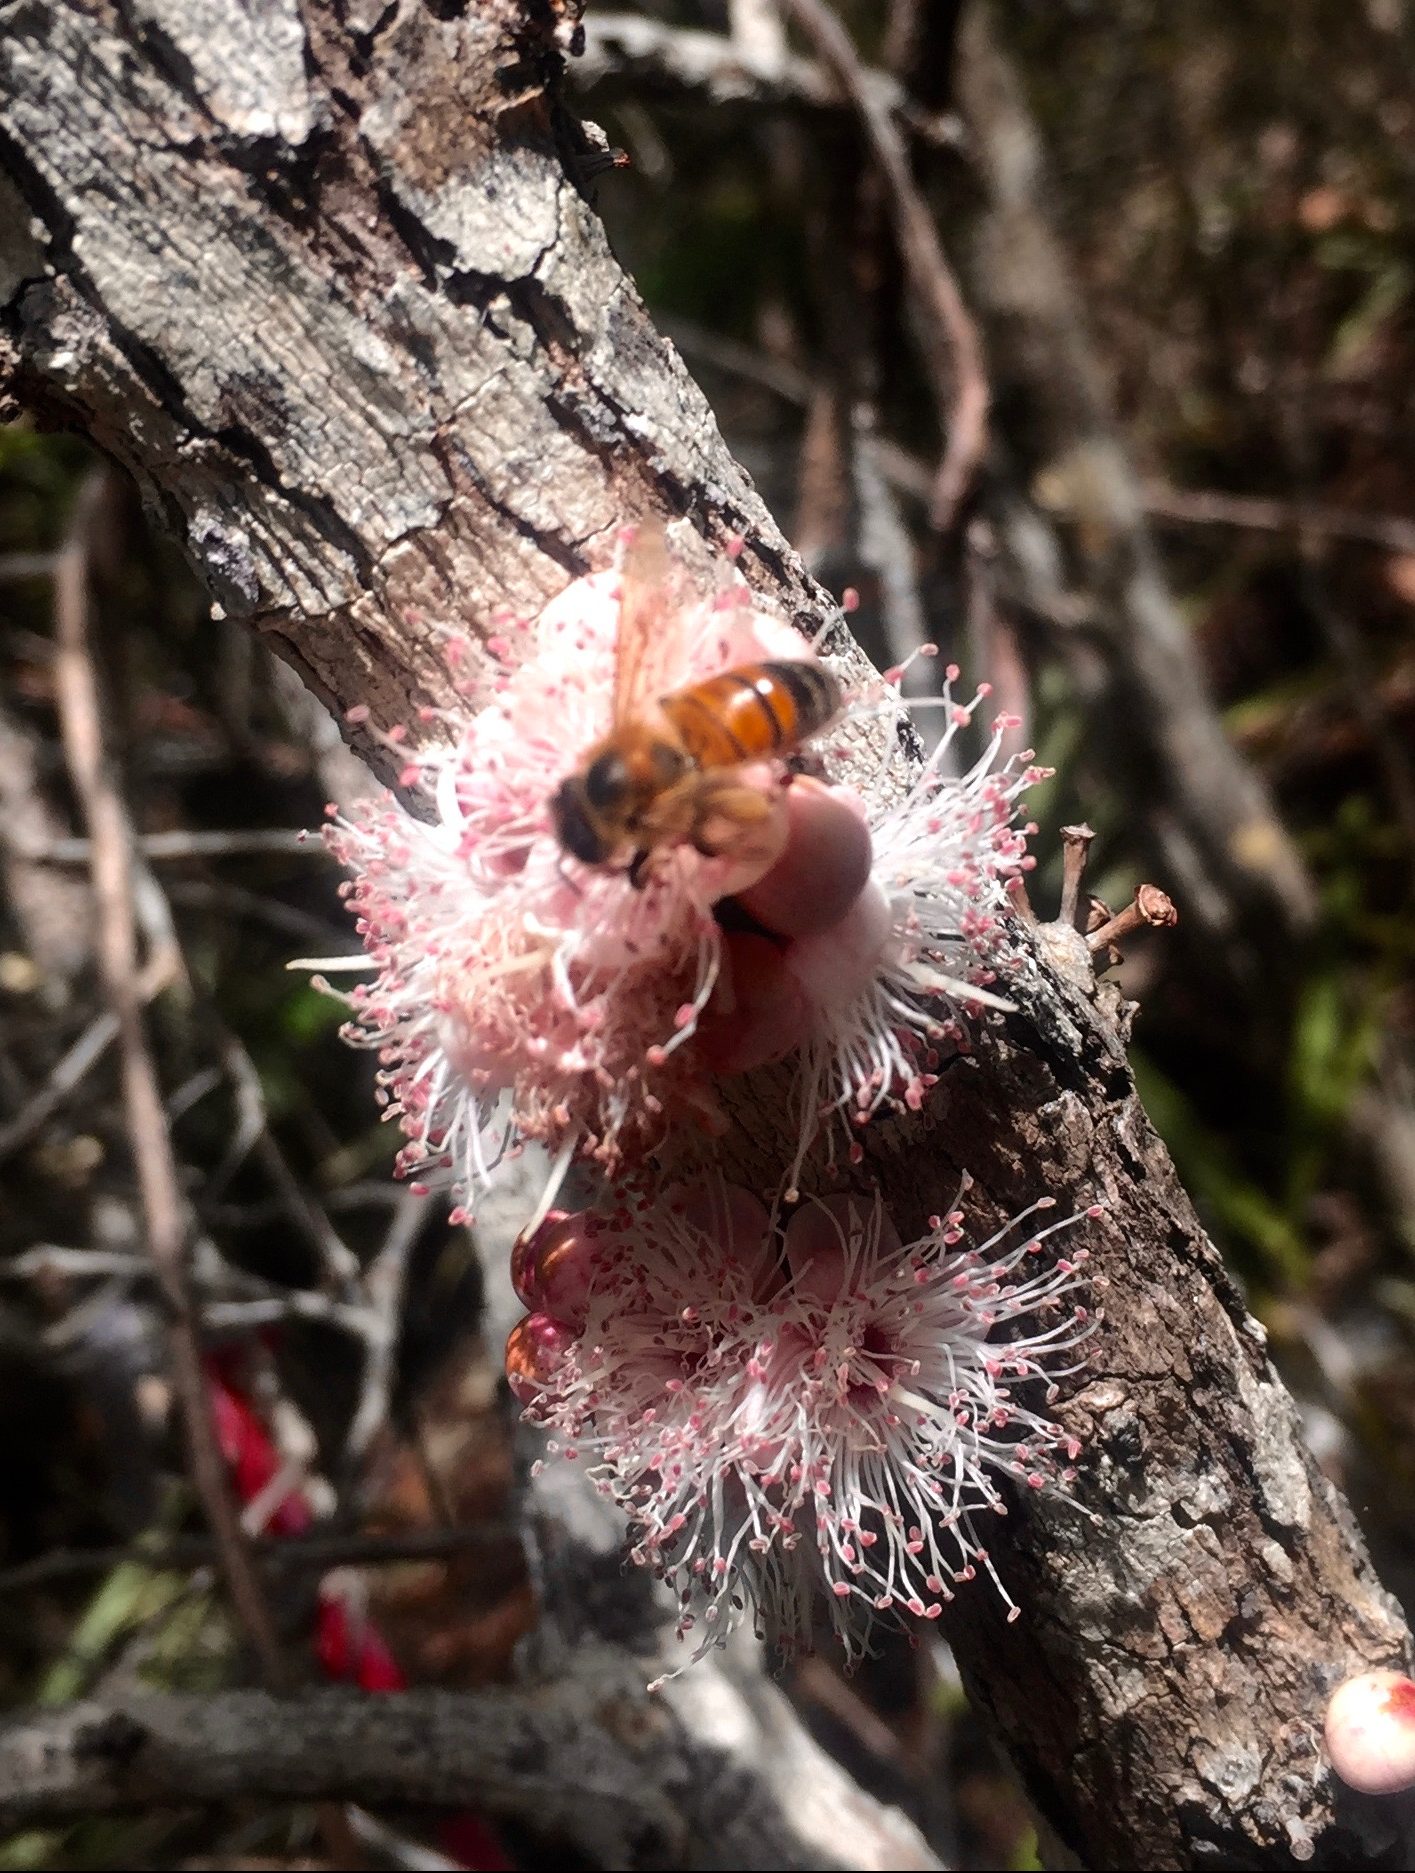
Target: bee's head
(574, 826)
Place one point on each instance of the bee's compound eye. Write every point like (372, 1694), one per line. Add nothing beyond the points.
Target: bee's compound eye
(606, 783)
(572, 826)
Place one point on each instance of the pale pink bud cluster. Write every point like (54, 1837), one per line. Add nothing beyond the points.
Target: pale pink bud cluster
(815, 1404)
(517, 994)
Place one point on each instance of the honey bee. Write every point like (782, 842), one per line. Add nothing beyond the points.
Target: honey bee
(665, 774)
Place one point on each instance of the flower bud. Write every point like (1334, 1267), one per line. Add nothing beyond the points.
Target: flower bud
(1370, 1732)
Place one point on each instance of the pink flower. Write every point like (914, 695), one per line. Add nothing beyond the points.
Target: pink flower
(519, 994)
(881, 944)
(820, 1403)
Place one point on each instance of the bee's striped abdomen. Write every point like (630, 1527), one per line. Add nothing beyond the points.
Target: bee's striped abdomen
(752, 713)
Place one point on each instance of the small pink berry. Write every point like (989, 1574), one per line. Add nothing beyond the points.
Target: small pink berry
(1370, 1731)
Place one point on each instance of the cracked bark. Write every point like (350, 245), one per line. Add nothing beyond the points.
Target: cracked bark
(320, 278)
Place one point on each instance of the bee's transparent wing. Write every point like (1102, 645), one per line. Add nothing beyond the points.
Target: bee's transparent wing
(643, 644)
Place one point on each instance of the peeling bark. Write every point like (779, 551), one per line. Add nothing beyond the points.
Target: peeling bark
(323, 279)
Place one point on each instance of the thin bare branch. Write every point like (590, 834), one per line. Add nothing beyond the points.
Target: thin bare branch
(164, 1212)
(68, 1073)
(285, 1553)
(383, 1282)
(953, 350)
(1207, 508)
(167, 847)
(337, 1259)
(654, 57)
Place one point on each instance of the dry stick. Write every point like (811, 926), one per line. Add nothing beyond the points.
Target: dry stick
(384, 1283)
(283, 1553)
(1258, 514)
(339, 1263)
(711, 69)
(72, 1067)
(228, 1295)
(508, 1750)
(1210, 816)
(169, 846)
(1186, 507)
(953, 350)
(80, 717)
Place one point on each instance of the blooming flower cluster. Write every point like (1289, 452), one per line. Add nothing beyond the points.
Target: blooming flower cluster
(773, 1406)
(780, 1408)
(521, 994)
(507, 972)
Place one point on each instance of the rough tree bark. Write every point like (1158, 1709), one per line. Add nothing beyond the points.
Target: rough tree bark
(321, 275)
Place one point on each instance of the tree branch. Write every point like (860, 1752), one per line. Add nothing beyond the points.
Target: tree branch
(952, 348)
(1220, 838)
(338, 305)
(164, 1213)
(632, 54)
(635, 1783)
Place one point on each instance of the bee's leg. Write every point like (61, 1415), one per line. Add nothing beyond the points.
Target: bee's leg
(637, 865)
(724, 814)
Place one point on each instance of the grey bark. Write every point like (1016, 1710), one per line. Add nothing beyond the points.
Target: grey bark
(323, 283)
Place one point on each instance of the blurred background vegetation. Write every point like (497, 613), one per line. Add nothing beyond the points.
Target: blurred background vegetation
(1228, 199)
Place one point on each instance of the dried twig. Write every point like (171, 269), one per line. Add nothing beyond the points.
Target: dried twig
(383, 1283)
(164, 847)
(953, 350)
(228, 1296)
(653, 56)
(15, 566)
(164, 1213)
(1185, 507)
(1259, 514)
(337, 1259)
(1219, 839)
(314, 1553)
(68, 1072)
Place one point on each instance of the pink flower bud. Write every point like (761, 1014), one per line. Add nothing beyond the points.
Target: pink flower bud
(535, 1350)
(824, 868)
(1370, 1732)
